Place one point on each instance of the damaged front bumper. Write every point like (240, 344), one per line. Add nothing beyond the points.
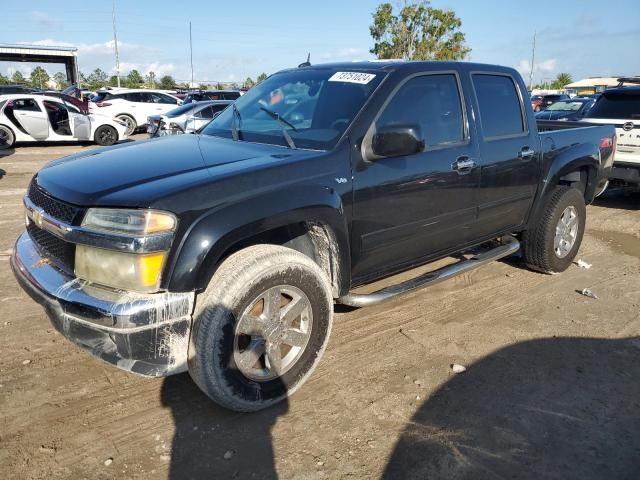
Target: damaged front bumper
(147, 334)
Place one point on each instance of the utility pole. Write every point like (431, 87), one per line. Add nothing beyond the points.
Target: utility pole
(533, 58)
(191, 50)
(115, 42)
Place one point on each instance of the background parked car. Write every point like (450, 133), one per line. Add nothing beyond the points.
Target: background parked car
(201, 95)
(82, 105)
(573, 109)
(44, 118)
(132, 107)
(11, 89)
(621, 107)
(540, 102)
(193, 115)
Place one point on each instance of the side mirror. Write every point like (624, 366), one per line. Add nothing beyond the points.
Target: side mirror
(397, 141)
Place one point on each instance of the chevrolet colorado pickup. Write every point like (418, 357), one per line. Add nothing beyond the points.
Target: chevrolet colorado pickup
(223, 252)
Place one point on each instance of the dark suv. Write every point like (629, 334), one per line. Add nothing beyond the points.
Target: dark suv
(11, 89)
(201, 95)
(540, 102)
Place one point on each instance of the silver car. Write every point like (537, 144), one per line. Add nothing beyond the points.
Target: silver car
(185, 118)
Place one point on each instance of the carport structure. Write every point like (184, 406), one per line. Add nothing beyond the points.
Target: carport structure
(42, 54)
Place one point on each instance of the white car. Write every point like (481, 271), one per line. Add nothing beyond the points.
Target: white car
(187, 118)
(132, 107)
(621, 107)
(44, 118)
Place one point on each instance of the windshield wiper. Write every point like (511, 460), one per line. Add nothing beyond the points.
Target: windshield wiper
(237, 118)
(283, 124)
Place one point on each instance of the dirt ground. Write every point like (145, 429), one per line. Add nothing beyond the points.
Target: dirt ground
(551, 389)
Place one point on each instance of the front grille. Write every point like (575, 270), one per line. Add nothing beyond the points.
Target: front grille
(60, 253)
(56, 208)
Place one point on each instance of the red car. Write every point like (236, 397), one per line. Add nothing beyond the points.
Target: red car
(540, 102)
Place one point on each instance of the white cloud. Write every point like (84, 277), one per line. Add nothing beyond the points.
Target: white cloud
(542, 70)
(44, 20)
(349, 53)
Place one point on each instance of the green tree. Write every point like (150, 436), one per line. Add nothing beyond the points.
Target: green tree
(61, 80)
(151, 79)
(39, 77)
(261, 78)
(4, 80)
(562, 80)
(18, 78)
(97, 79)
(249, 82)
(113, 81)
(418, 32)
(134, 79)
(167, 83)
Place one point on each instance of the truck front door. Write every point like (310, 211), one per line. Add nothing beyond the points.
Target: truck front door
(407, 208)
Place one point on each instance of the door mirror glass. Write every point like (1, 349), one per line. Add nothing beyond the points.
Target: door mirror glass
(397, 140)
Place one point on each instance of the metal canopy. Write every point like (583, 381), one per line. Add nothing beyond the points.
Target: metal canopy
(42, 54)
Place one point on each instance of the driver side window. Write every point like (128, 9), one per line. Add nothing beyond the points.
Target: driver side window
(433, 103)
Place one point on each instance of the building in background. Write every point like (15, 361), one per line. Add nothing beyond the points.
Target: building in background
(591, 85)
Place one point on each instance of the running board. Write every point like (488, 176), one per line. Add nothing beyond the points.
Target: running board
(509, 246)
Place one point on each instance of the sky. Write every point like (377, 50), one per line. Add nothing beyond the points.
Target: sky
(234, 40)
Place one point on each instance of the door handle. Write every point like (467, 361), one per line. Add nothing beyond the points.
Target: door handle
(526, 153)
(463, 165)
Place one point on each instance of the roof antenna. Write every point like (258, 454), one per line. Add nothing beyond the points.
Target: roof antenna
(307, 63)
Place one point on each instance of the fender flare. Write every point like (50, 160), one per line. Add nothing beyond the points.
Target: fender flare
(571, 159)
(214, 232)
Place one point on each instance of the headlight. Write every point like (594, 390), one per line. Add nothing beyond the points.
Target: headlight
(125, 271)
(129, 222)
(138, 272)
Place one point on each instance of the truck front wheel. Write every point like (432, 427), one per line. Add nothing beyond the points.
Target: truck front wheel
(552, 244)
(260, 327)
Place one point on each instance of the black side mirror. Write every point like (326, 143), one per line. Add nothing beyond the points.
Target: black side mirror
(397, 141)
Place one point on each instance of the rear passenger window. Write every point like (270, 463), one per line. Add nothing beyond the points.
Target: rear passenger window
(620, 106)
(26, 104)
(500, 108)
(205, 113)
(431, 101)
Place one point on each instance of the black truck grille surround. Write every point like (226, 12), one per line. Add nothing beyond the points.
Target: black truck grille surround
(57, 209)
(61, 254)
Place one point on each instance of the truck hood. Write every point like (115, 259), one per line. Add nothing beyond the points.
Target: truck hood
(137, 173)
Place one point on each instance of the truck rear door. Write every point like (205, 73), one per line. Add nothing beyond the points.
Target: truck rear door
(412, 206)
(509, 153)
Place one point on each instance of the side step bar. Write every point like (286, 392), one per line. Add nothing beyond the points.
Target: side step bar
(509, 246)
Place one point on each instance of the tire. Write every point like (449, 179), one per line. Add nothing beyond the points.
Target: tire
(7, 138)
(105, 135)
(218, 349)
(130, 121)
(540, 250)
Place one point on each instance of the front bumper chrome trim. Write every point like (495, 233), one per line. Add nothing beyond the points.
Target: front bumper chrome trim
(157, 242)
(146, 334)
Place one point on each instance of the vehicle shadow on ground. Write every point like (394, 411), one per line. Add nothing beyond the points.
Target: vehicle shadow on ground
(549, 408)
(6, 152)
(620, 198)
(205, 433)
(2, 173)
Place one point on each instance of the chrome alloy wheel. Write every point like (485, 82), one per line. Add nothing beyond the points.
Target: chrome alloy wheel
(566, 232)
(272, 333)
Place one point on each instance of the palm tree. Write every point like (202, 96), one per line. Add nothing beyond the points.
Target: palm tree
(562, 80)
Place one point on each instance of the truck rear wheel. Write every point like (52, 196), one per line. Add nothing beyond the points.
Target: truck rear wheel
(552, 244)
(260, 327)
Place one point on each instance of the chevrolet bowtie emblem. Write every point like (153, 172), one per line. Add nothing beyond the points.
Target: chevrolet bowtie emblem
(36, 216)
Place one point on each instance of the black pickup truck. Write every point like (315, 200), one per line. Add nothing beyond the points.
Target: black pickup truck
(222, 253)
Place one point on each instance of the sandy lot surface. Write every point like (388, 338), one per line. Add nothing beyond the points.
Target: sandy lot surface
(551, 389)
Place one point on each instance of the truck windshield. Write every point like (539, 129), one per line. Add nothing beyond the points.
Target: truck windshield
(315, 106)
